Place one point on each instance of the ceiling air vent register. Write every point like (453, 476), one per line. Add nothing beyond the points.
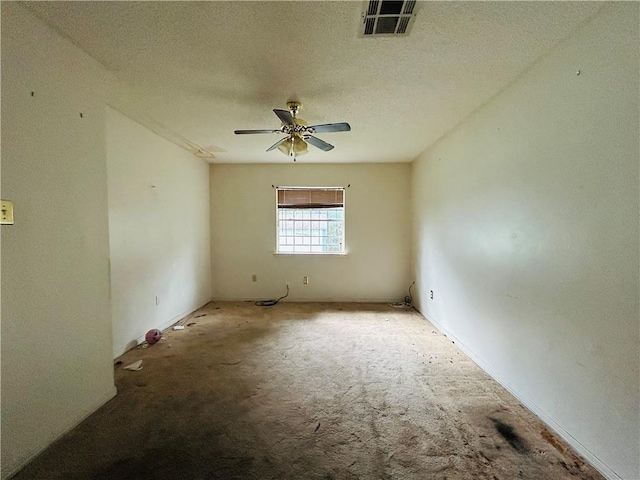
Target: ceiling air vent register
(386, 17)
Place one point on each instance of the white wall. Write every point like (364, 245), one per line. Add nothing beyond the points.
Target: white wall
(158, 231)
(56, 321)
(378, 234)
(526, 229)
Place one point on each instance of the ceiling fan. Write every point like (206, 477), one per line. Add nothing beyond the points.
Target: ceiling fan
(298, 133)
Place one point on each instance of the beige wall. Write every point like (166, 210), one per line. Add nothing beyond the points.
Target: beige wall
(158, 231)
(56, 321)
(243, 234)
(526, 229)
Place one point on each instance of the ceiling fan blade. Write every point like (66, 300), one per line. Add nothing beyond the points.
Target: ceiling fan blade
(330, 127)
(245, 132)
(277, 144)
(285, 116)
(316, 142)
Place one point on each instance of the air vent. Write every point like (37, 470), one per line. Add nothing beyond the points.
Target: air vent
(388, 17)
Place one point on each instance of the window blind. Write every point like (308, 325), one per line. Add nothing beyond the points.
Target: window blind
(310, 197)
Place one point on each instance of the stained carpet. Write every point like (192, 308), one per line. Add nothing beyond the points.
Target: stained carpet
(307, 391)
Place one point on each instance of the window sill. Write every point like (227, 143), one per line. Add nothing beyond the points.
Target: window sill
(310, 254)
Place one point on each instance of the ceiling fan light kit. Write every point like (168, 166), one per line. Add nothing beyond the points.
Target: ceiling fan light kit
(293, 147)
(298, 132)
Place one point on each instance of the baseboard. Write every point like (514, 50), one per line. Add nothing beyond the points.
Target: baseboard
(598, 464)
(310, 300)
(117, 351)
(14, 467)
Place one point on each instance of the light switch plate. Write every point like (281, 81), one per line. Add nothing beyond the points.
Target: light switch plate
(6, 215)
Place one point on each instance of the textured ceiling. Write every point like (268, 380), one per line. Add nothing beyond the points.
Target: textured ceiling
(195, 71)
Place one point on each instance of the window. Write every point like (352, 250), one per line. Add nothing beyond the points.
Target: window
(310, 220)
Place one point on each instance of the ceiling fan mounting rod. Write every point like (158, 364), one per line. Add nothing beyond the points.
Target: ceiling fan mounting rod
(294, 107)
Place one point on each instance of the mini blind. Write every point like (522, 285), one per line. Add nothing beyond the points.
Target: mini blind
(310, 197)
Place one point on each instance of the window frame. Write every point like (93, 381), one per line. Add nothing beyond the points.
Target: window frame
(277, 251)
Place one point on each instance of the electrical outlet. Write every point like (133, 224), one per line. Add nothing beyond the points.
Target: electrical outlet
(254, 278)
(157, 300)
(431, 294)
(305, 280)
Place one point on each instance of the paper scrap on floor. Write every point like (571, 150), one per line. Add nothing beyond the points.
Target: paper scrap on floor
(134, 366)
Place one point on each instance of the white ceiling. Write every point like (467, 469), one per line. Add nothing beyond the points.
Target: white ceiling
(196, 71)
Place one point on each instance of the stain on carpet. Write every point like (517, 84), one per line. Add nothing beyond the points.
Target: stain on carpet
(550, 437)
(508, 433)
